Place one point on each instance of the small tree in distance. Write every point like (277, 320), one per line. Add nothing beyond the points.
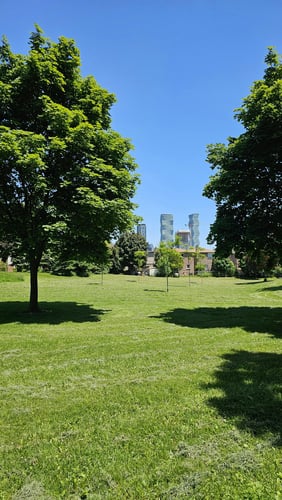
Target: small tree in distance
(167, 260)
(66, 178)
(198, 257)
(140, 259)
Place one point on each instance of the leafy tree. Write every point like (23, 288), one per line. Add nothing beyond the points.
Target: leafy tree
(66, 178)
(223, 267)
(257, 265)
(140, 259)
(167, 260)
(115, 266)
(126, 247)
(247, 184)
(3, 266)
(198, 257)
(277, 271)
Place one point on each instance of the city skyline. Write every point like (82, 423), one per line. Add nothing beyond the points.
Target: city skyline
(178, 70)
(168, 231)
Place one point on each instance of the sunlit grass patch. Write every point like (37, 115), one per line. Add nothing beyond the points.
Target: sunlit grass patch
(119, 389)
(11, 277)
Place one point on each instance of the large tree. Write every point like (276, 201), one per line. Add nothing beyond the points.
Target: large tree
(66, 178)
(247, 184)
(124, 252)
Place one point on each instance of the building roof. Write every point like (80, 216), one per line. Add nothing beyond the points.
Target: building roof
(192, 250)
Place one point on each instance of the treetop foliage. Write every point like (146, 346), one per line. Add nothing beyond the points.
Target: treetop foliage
(168, 260)
(125, 249)
(66, 178)
(247, 183)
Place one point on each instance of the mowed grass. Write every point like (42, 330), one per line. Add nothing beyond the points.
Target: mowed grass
(121, 390)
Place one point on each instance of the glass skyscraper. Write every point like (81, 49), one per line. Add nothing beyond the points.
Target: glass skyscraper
(141, 229)
(166, 228)
(194, 229)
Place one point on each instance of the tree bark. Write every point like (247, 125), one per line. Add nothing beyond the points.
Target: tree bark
(33, 298)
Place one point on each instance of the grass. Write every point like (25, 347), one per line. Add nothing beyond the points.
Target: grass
(120, 390)
(8, 277)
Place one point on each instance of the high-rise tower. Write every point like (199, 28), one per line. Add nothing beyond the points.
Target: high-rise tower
(166, 227)
(184, 238)
(194, 229)
(141, 229)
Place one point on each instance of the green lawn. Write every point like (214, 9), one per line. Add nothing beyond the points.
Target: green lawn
(120, 390)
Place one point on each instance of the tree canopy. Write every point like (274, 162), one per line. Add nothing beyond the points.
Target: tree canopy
(66, 178)
(168, 260)
(124, 252)
(223, 267)
(247, 184)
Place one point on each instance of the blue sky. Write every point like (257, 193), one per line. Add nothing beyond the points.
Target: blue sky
(178, 68)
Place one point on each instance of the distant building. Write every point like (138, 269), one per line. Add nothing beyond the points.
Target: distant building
(194, 229)
(166, 228)
(150, 269)
(141, 229)
(184, 238)
(8, 265)
(190, 260)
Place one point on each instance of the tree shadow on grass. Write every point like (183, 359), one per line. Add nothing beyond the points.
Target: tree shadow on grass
(52, 313)
(252, 387)
(251, 319)
(256, 282)
(272, 288)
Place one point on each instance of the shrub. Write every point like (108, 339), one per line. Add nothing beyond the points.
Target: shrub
(3, 266)
(223, 267)
(77, 268)
(277, 272)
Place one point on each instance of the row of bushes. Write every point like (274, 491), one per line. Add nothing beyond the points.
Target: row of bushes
(77, 268)
(68, 268)
(225, 267)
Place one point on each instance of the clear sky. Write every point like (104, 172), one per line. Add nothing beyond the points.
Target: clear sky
(178, 68)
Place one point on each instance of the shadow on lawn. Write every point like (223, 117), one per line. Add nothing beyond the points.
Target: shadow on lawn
(252, 319)
(272, 288)
(243, 283)
(51, 313)
(252, 384)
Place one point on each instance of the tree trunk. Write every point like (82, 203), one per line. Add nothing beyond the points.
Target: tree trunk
(33, 297)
